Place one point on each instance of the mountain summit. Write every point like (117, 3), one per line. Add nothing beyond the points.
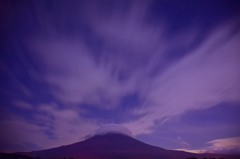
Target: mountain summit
(114, 146)
(113, 128)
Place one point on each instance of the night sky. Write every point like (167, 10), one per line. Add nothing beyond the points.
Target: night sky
(168, 71)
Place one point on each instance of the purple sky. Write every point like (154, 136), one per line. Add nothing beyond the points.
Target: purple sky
(168, 71)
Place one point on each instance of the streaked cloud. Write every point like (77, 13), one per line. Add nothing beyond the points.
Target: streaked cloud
(192, 151)
(223, 145)
(23, 105)
(48, 128)
(68, 65)
(226, 145)
(193, 82)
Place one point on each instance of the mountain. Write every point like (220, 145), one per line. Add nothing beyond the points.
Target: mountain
(117, 146)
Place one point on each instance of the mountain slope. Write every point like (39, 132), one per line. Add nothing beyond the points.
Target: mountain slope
(115, 146)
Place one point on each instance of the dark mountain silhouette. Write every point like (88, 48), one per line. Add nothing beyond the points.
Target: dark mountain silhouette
(116, 146)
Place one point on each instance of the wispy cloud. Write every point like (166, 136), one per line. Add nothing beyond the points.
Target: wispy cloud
(126, 61)
(23, 105)
(222, 146)
(90, 53)
(193, 81)
(49, 127)
(225, 145)
(18, 131)
(192, 151)
(63, 126)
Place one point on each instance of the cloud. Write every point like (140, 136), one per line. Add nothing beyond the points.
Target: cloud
(88, 54)
(75, 75)
(192, 151)
(206, 77)
(135, 56)
(18, 131)
(225, 145)
(63, 126)
(23, 105)
(49, 127)
(115, 128)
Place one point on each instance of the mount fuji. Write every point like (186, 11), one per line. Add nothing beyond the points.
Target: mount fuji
(116, 146)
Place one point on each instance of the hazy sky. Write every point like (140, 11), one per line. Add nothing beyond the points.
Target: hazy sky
(169, 71)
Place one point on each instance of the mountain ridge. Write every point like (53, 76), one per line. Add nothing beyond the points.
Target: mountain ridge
(117, 146)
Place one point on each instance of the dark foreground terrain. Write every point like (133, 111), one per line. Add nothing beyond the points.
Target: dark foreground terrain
(111, 146)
